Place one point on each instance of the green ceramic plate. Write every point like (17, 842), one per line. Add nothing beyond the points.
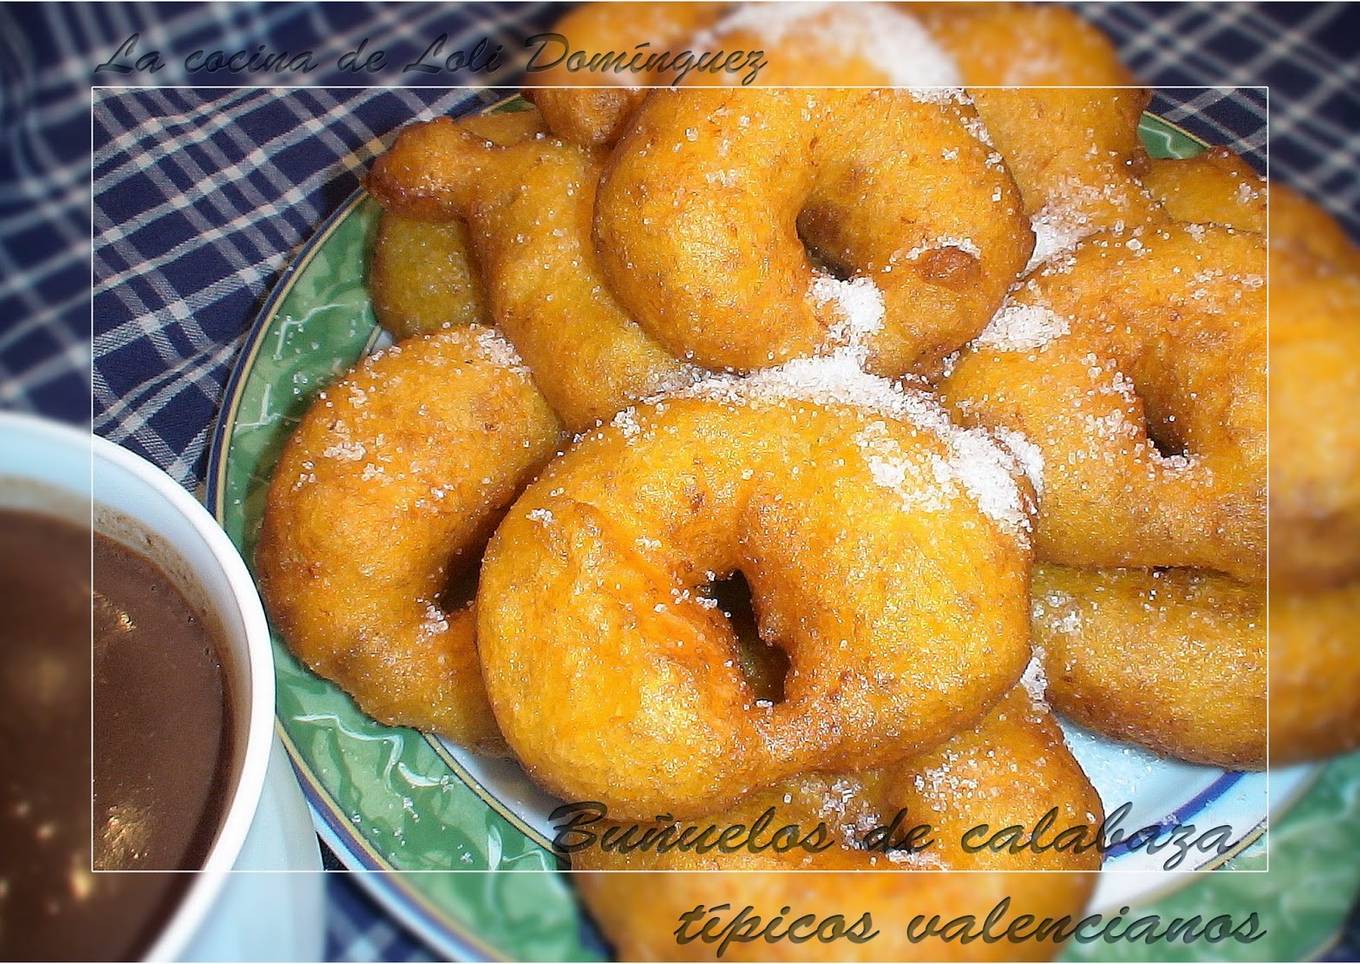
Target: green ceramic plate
(389, 799)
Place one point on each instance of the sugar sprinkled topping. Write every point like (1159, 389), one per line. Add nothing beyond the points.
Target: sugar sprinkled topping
(345, 451)
(499, 351)
(1027, 454)
(627, 423)
(975, 463)
(1055, 232)
(966, 245)
(858, 302)
(835, 379)
(892, 41)
(1035, 681)
(1021, 327)
(1058, 611)
(940, 95)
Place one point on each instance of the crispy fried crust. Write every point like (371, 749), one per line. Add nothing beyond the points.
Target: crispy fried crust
(904, 608)
(422, 278)
(1011, 769)
(1137, 366)
(1173, 659)
(705, 205)
(385, 493)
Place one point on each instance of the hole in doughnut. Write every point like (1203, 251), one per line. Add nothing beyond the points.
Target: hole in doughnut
(1165, 425)
(1165, 436)
(822, 262)
(464, 572)
(764, 665)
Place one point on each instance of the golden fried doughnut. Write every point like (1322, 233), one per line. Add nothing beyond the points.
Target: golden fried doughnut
(401, 179)
(529, 207)
(1315, 359)
(1009, 770)
(1137, 366)
(382, 497)
(1075, 154)
(806, 44)
(594, 115)
(1314, 444)
(1314, 673)
(421, 277)
(706, 203)
(1171, 659)
(885, 552)
(1021, 44)
(1219, 186)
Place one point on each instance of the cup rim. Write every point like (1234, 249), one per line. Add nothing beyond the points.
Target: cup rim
(248, 785)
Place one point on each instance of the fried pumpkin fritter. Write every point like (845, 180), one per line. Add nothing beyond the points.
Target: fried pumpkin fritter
(891, 574)
(1171, 659)
(1011, 769)
(1314, 296)
(381, 500)
(705, 206)
(1137, 366)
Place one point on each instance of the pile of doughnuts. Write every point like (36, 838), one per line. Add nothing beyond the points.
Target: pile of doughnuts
(965, 396)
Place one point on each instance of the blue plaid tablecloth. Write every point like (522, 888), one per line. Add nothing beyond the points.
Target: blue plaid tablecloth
(129, 311)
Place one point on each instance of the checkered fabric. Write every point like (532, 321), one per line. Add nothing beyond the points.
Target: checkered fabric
(202, 196)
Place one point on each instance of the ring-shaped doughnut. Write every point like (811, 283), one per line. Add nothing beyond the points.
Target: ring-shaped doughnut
(382, 498)
(1074, 153)
(1314, 295)
(706, 204)
(1170, 659)
(1136, 364)
(1009, 770)
(885, 552)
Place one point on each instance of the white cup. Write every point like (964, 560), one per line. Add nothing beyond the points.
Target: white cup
(50, 467)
